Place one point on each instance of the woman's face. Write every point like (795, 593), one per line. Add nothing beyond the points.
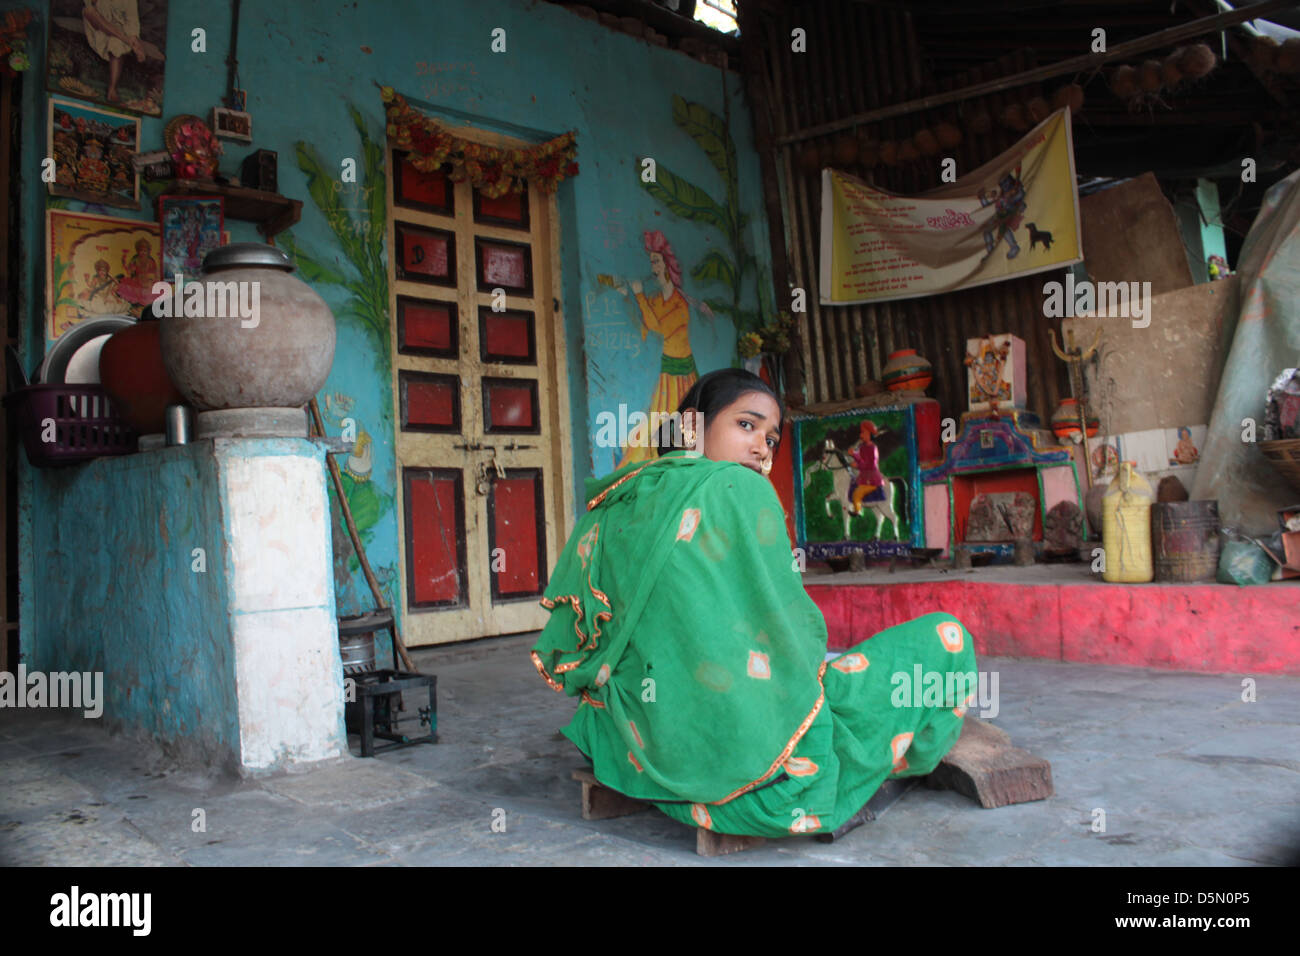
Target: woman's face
(747, 431)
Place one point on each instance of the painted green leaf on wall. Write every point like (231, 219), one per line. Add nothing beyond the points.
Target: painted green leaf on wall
(715, 266)
(313, 272)
(710, 132)
(357, 218)
(687, 200)
(361, 238)
(690, 201)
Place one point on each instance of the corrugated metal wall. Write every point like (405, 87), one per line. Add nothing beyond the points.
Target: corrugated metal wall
(860, 57)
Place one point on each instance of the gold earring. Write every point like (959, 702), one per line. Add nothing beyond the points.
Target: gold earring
(767, 466)
(688, 436)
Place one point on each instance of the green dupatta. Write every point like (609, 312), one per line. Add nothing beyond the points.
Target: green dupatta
(681, 623)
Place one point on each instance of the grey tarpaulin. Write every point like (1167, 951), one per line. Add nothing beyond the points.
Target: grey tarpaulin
(1265, 338)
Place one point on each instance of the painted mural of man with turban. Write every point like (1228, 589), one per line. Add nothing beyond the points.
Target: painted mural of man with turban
(665, 309)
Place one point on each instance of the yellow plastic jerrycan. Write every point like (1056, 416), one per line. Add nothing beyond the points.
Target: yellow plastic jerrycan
(1126, 527)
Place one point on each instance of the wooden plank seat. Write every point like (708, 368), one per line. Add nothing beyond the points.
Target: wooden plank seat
(601, 803)
(983, 765)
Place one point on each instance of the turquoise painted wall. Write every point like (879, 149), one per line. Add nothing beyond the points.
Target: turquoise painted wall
(118, 593)
(305, 64)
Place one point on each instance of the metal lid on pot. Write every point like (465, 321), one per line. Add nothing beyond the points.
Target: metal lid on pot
(244, 255)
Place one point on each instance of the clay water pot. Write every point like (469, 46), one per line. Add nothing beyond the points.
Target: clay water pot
(131, 370)
(1065, 420)
(906, 370)
(279, 358)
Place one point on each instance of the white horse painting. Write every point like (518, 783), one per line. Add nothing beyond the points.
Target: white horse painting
(842, 477)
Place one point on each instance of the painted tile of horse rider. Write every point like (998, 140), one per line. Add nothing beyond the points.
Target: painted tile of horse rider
(858, 485)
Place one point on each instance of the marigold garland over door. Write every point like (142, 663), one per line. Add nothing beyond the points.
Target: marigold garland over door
(491, 170)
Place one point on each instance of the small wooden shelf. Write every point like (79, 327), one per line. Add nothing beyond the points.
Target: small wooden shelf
(272, 212)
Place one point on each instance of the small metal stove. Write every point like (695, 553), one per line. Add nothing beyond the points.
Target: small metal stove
(375, 706)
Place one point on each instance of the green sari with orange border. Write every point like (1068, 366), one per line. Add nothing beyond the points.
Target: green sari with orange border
(680, 621)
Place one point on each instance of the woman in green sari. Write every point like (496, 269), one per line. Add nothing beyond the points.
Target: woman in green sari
(680, 621)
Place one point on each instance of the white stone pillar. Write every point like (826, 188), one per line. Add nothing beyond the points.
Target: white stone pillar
(283, 628)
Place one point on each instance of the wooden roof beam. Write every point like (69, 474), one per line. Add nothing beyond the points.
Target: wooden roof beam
(1090, 61)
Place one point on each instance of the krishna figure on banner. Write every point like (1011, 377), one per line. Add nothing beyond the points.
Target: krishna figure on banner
(878, 246)
(1009, 205)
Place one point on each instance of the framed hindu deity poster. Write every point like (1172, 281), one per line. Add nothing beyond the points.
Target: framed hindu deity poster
(98, 265)
(191, 228)
(857, 481)
(109, 52)
(92, 150)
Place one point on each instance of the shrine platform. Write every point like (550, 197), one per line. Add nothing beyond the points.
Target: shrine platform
(1065, 613)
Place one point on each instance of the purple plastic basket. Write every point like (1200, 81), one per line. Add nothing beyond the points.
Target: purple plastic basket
(85, 424)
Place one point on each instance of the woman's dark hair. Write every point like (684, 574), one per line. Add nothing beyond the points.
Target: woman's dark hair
(709, 395)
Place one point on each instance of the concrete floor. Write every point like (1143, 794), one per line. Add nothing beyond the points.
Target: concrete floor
(1186, 772)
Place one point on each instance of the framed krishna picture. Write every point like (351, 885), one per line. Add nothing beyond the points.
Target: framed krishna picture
(191, 228)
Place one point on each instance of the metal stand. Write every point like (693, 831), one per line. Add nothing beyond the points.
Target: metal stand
(375, 711)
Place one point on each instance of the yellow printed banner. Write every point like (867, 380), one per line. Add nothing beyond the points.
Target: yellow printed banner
(1014, 216)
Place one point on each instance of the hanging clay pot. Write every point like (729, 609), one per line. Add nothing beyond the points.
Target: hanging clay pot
(810, 160)
(868, 152)
(846, 150)
(1014, 118)
(1149, 76)
(1070, 95)
(979, 122)
(1171, 75)
(949, 136)
(1198, 60)
(1124, 81)
(131, 370)
(907, 371)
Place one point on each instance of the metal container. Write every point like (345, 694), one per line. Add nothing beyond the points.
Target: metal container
(358, 653)
(1185, 540)
(180, 425)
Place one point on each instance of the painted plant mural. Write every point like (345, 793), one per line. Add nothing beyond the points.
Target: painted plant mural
(357, 217)
(690, 201)
(661, 303)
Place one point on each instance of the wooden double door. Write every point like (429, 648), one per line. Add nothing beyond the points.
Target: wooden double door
(481, 416)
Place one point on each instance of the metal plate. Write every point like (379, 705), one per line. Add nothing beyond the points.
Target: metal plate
(65, 357)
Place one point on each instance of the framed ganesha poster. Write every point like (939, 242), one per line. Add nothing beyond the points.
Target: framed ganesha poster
(98, 265)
